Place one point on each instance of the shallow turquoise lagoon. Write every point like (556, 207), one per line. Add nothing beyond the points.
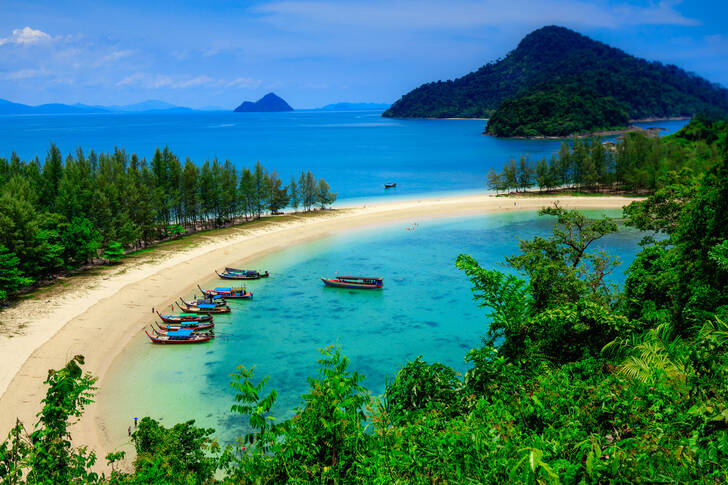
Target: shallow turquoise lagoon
(425, 308)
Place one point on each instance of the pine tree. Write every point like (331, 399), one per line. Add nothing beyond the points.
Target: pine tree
(293, 194)
(324, 196)
(11, 278)
(494, 180)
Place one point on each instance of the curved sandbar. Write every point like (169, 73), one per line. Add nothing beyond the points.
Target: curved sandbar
(100, 319)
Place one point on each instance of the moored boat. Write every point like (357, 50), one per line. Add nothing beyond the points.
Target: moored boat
(390, 185)
(196, 327)
(202, 308)
(354, 282)
(184, 336)
(248, 275)
(191, 318)
(212, 300)
(228, 293)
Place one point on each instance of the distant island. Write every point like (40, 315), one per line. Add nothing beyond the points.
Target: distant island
(558, 82)
(267, 104)
(148, 106)
(354, 106)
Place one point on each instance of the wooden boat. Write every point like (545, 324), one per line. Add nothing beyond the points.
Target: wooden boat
(212, 300)
(228, 293)
(197, 327)
(184, 336)
(202, 308)
(390, 185)
(354, 282)
(191, 318)
(249, 272)
(166, 332)
(248, 275)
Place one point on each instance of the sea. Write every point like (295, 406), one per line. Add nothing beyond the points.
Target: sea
(426, 307)
(356, 152)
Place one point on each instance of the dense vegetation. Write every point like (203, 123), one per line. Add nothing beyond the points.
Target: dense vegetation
(557, 68)
(636, 163)
(557, 111)
(58, 215)
(576, 381)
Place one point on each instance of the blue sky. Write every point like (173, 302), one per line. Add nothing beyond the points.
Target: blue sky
(314, 52)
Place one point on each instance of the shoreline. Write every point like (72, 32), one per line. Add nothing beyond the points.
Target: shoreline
(99, 319)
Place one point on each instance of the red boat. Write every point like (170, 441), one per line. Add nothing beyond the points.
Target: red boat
(228, 293)
(354, 282)
(185, 336)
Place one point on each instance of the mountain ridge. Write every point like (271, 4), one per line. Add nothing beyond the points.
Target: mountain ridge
(552, 60)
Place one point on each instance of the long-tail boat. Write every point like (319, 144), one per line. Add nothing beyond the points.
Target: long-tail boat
(390, 185)
(354, 282)
(248, 275)
(228, 293)
(202, 308)
(191, 318)
(212, 300)
(166, 332)
(197, 327)
(184, 336)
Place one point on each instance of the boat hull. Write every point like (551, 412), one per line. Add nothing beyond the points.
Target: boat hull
(162, 339)
(194, 327)
(333, 283)
(177, 319)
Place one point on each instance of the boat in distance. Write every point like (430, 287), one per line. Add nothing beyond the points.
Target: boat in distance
(390, 185)
(248, 275)
(202, 308)
(354, 282)
(184, 336)
(186, 318)
(228, 293)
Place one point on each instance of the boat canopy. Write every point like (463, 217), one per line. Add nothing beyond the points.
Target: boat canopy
(206, 306)
(185, 332)
(188, 314)
(223, 288)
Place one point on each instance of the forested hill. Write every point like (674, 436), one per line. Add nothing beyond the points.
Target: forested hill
(556, 58)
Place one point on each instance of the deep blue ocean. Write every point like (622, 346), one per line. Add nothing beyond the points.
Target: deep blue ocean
(355, 151)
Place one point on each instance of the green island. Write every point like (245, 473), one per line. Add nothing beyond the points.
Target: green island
(557, 83)
(576, 381)
(62, 215)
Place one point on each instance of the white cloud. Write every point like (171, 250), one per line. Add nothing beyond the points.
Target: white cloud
(113, 56)
(26, 36)
(22, 74)
(157, 81)
(435, 15)
(244, 82)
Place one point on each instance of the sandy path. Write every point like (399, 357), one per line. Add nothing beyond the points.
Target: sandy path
(99, 317)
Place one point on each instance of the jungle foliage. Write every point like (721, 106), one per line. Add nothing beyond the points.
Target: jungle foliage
(61, 214)
(555, 70)
(636, 163)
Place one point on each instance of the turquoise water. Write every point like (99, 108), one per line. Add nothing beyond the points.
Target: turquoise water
(425, 308)
(355, 151)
